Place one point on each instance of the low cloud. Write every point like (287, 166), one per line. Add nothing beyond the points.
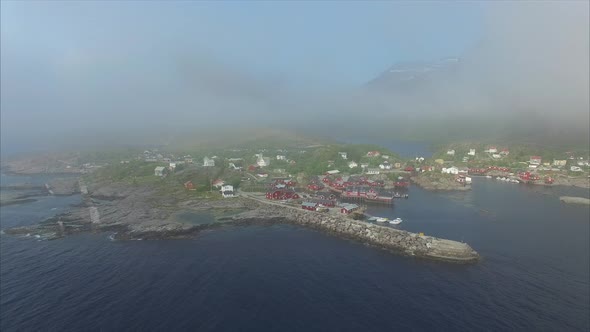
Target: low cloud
(531, 67)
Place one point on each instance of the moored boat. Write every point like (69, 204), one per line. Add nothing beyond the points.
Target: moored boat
(396, 221)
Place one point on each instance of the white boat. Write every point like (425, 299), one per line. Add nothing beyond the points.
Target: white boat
(381, 219)
(396, 221)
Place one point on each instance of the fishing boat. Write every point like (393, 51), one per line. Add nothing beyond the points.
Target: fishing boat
(396, 221)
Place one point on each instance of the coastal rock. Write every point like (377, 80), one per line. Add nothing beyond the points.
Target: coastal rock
(438, 182)
(64, 186)
(139, 213)
(575, 200)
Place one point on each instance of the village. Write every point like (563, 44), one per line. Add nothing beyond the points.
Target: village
(346, 178)
(377, 179)
(323, 177)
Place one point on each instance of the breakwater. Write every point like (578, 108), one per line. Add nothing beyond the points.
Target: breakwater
(392, 239)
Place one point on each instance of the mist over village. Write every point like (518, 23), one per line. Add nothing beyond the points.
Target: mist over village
(294, 166)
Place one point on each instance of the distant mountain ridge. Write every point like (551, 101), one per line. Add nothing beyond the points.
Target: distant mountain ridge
(413, 74)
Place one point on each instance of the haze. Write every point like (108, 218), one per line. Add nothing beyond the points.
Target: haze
(141, 71)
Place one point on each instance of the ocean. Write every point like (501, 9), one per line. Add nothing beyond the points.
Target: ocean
(534, 274)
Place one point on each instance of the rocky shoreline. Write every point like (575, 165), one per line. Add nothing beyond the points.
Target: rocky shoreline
(139, 213)
(438, 183)
(575, 200)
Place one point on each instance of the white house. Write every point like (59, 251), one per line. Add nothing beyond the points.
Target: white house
(492, 149)
(159, 171)
(451, 170)
(451, 152)
(344, 155)
(281, 157)
(234, 167)
(352, 164)
(535, 160)
(385, 165)
(263, 161)
(471, 152)
(208, 162)
(227, 191)
(373, 171)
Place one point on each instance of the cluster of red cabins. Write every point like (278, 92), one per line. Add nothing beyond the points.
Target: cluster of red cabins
(481, 171)
(529, 177)
(366, 192)
(282, 189)
(340, 183)
(282, 194)
(526, 177)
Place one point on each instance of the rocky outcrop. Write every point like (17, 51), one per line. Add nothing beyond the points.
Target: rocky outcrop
(574, 200)
(64, 186)
(140, 213)
(581, 182)
(438, 182)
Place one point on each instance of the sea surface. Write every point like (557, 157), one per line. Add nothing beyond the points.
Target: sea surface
(534, 274)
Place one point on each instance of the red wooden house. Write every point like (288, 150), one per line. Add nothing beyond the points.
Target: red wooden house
(315, 186)
(311, 206)
(348, 208)
(281, 194)
(324, 202)
(189, 185)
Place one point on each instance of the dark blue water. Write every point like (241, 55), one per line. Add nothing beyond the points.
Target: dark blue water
(534, 274)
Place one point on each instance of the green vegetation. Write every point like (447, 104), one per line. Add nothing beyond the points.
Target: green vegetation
(321, 159)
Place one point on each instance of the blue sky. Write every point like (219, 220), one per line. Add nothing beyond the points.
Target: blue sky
(344, 43)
